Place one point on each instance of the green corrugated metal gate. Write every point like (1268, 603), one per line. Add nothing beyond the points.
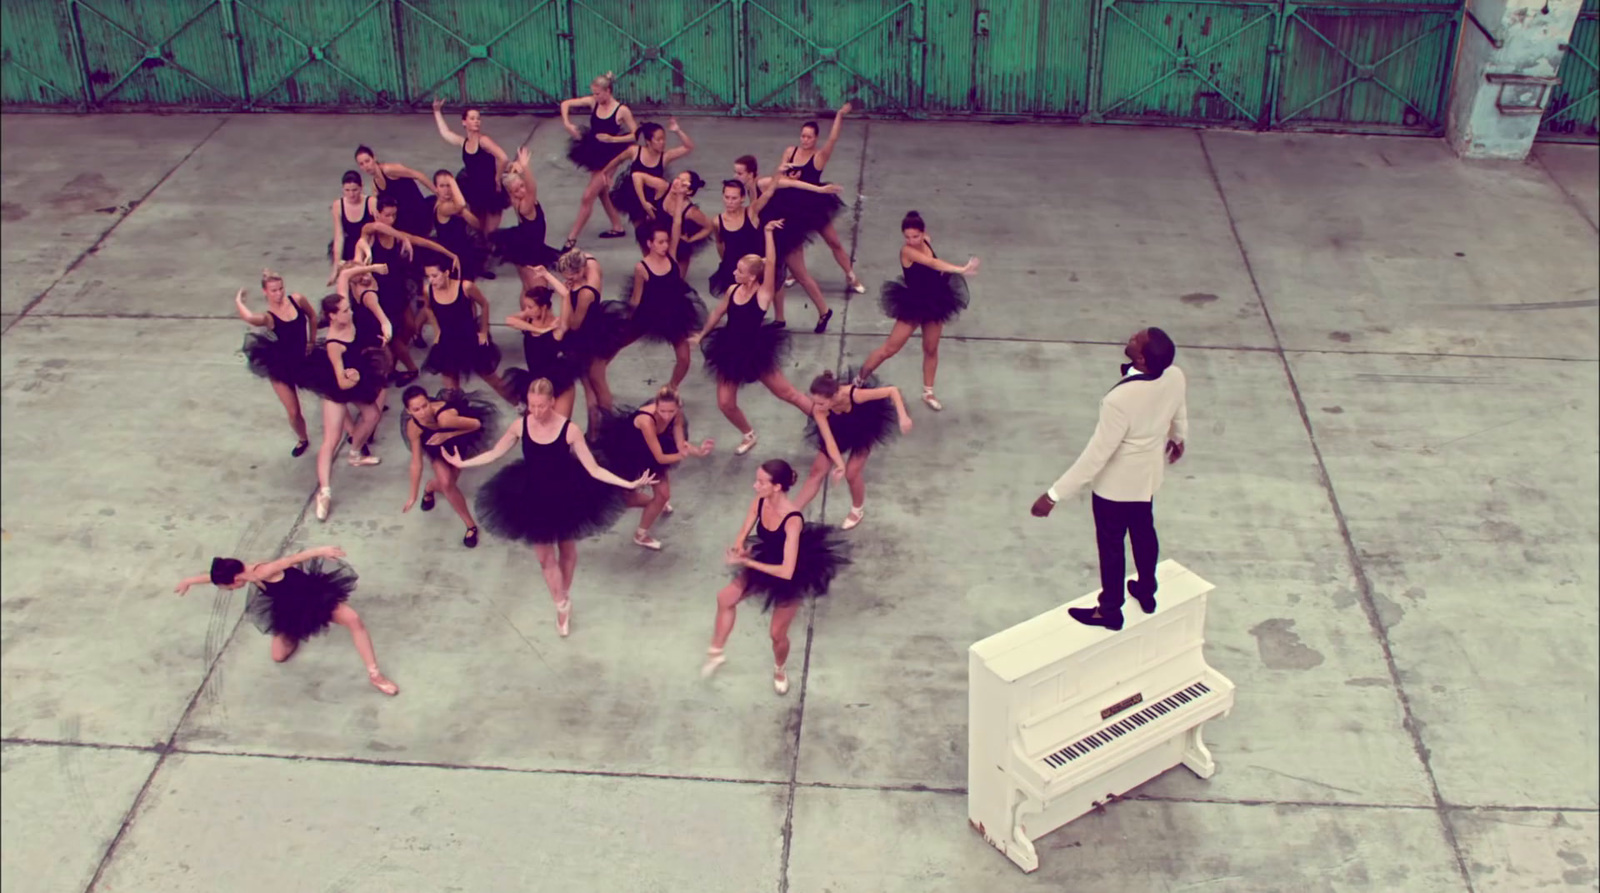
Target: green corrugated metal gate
(1262, 64)
(1574, 110)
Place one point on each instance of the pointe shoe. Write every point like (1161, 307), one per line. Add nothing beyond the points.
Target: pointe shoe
(382, 684)
(714, 658)
(324, 503)
(932, 401)
(780, 681)
(564, 618)
(856, 516)
(666, 509)
(858, 288)
(747, 443)
(788, 282)
(644, 540)
(357, 460)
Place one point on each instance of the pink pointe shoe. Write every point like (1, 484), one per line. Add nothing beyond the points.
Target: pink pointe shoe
(714, 658)
(780, 681)
(380, 683)
(564, 618)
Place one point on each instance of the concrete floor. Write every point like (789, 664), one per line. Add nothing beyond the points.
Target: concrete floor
(1392, 480)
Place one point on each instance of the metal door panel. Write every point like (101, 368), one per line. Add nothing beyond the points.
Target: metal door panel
(805, 56)
(1028, 57)
(488, 54)
(682, 54)
(160, 52)
(318, 53)
(1378, 66)
(35, 68)
(1183, 61)
(1573, 114)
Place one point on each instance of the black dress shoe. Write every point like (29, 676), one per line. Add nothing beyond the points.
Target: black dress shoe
(1145, 598)
(1091, 617)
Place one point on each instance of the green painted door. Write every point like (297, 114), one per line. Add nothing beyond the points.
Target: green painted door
(682, 54)
(489, 54)
(1025, 58)
(169, 53)
(1573, 114)
(318, 53)
(38, 60)
(805, 56)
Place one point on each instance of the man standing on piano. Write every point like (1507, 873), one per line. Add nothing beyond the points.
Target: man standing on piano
(1143, 416)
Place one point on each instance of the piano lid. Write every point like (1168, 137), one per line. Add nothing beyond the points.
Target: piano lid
(1037, 643)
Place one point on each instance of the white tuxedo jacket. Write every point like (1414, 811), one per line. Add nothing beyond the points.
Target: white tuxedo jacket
(1127, 454)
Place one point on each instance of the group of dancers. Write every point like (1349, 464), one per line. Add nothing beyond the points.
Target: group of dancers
(404, 264)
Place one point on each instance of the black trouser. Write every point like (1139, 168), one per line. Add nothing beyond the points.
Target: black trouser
(1113, 520)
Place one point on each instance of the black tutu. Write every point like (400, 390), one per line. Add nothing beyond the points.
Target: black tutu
(523, 246)
(744, 357)
(301, 605)
(462, 357)
(940, 301)
(867, 425)
(722, 278)
(266, 356)
(481, 195)
(626, 200)
(547, 502)
(604, 331)
(822, 553)
(468, 405)
(590, 154)
(369, 360)
(622, 447)
(562, 374)
(803, 213)
(667, 313)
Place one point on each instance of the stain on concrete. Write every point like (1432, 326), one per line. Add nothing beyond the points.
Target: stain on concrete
(1579, 877)
(1333, 410)
(1389, 611)
(1501, 531)
(1571, 858)
(1281, 648)
(1198, 298)
(1342, 337)
(85, 193)
(1367, 682)
(1072, 277)
(10, 211)
(1415, 593)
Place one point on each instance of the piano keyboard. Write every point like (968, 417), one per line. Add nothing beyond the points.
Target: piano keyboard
(1085, 746)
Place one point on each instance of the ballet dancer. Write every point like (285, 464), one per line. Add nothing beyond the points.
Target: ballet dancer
(650, 156)
(374, 331)
(786, 559)
(665, 307)
(553, 496)
(455, 418)
(459, 312)
(747, 349)
(810, 212)
(596, 328)
(544, 343)
(483, 163)
(344, 376)
(393, 180)
(523, 245)
(295, 598)
(649, 440)
(384, 244)
(280, 354)
(610, 133)
(457, 228)
(849, 419)
(929, 293)
(346, 232)
(667, 199)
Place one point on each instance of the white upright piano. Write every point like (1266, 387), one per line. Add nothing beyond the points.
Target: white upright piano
(1064, 718)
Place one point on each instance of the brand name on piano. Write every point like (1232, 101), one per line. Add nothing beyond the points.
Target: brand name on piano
(1122, 705)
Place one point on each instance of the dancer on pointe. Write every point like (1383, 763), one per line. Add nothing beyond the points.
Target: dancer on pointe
(610, 133)
(786, 559)
(295, 598)
(455, 418)
(649, 440)
(345, 376)
(404, 185)
(849, 419)
(553, 496)
(352, 201)
(460, 314)
(747, 349)
(280, 354)
(929, 293)
(545, 343)
(596, 328)
(665, 307)
(483, 163)
(650, 156)
(523, 245)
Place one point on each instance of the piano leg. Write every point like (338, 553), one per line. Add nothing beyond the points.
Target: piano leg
(1196, 755)
(1020, 849)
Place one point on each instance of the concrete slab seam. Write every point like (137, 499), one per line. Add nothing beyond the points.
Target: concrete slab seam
(1565, 192)
(1357, 568)
(170, 746)
(139, 203)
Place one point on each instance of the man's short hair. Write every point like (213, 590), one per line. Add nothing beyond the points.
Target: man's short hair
(1159, 351)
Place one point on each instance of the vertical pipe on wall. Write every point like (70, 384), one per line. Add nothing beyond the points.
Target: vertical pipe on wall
(564, 34)
(85, 86)
(919, 60)
(1267, 118)
(405, 98)
(230, 25)
(1097, 48)
(741, 58)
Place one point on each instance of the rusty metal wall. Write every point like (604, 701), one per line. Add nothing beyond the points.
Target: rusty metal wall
(1259, 64)
(1573, 114)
